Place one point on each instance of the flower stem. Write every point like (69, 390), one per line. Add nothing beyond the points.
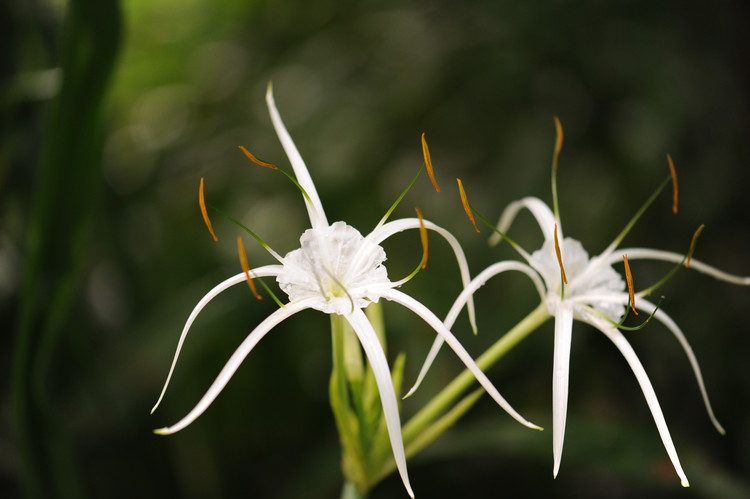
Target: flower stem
(420, 421)
(350, 491)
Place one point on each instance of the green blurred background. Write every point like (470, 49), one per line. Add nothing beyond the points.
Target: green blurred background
(111, 113)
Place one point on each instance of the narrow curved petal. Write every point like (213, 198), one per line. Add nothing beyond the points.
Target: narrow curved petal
(314, 206)
(627, 351)
(268, 270)
(544, 217)
(233, 363)
(386, 230)
(376, 357)
(431, 319)
(662, 317)
(669, 256)
(476, 283)
(560, 377)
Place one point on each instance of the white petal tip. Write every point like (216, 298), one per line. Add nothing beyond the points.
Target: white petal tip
(409, 393)
(162, 431)
(269, 89)
(533, 426)
(684, 483)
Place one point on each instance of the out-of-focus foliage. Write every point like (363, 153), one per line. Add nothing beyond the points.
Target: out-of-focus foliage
(357, 83)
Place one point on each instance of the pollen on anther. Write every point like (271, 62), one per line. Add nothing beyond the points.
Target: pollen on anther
(559, 257)
(204, 212)
(465, 201)
(692, 245)
(256, 160)
(246, 268)
(423, 237)
(629, 279)
(558, 141)
(428, 163)
(673, 172)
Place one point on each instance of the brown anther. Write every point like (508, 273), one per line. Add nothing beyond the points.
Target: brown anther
(558, 141)
(673, 172)
(428, 163)
(465, 202)
(692, 244)
(629, 279)
(423, 237)
(246, 267)
(256, 160)
(204, 212)
(559, 257)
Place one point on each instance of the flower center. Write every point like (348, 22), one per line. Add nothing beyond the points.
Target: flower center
(590, 283)
(336, 268)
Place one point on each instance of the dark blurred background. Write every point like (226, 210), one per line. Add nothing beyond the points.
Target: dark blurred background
(112, 113)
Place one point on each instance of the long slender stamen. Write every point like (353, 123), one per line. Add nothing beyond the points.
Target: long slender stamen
(673, 173)
(428, 163)
(253, 234)
(555, 157)
(637, 215)
(423, 237)
(465, 202)
(559, 258)
(274, 167)
(629, 279)
(246, 267)
(692, 245)
(685, 260)
(204, 212)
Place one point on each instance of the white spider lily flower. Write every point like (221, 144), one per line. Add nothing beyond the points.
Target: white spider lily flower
(336, 270)
(574, 287)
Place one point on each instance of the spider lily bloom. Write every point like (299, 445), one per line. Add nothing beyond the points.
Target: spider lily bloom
(575, 286)
(336, 270)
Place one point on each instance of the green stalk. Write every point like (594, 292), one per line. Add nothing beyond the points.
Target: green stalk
(421, 421)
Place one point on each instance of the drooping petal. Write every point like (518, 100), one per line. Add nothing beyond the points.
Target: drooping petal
(314, 206)
(560, 377)
(432, 320)
(476, 283)
(669, 256)
(385, 231)
(268, 270)
(376, 357)
(627, 351)
(233, 364)
(662, 317)
(544, 217)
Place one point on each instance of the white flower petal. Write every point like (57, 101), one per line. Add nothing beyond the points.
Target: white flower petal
(376, 356)
(627, 351)
(431, 319)
(233, 363)
(476, 283)
(268, 270)
(544, 217)
(669, 256)
(314, 206)
(662, 317)
(560, 377)
(394, 227)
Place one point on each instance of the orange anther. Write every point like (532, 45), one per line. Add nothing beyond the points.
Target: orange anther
(559, 257)
(465, 202)
(428, 163)
(423, 237)
(558, 141)
(256, 160)
(673, 172)
(629, 279)
(204, 212)
(246, 267)
(692, 244)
